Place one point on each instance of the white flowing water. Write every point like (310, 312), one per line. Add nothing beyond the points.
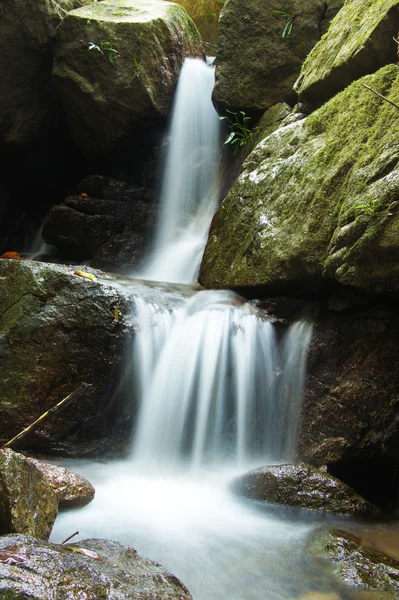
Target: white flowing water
(39, 247)
(189, 188)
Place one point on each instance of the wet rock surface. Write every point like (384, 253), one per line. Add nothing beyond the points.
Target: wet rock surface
(28, 504)
(91, 569)
(355, 564)
(116, 65)
(302, 485)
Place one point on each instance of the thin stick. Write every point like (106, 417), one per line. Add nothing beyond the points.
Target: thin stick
(380, 95)
(62, 404)
(70, 537)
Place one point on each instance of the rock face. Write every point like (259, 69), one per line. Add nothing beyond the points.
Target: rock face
(98, 569)
(256, 66)
(332, 8)
(129, 74)
(355, 564)
(351, 405)
(112, 223)
(316, 201)
(302, 486)
(359, 41)
(27, 504)
(70, 489)
(28, 105)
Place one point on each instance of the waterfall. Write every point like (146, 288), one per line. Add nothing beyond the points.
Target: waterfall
(189, 188)
(220, 387)
(39, 247)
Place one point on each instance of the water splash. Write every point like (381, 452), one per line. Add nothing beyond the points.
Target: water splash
(189, 188)
(220, 387)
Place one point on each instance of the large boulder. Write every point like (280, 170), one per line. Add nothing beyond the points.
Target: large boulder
(360, 40)
(28, 504)
(99, 569)
(110, 222)
(316, 201)
(302, 486)
(354, 563)
(29, 108)
(116, 66)
(256, 66)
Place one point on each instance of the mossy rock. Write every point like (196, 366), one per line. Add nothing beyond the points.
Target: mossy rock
(29, 108)
(317, 200)
(28, 504)
(359, 41)
(256, 67)
(130, 73)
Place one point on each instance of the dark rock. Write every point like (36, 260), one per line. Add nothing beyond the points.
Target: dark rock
(28, 504)
(91, 569)
(302, 486)
(332, 9)
(110, 222)
(256, 67)
(355, 564)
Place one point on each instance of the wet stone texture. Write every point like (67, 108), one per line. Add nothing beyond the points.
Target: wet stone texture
(88, 570)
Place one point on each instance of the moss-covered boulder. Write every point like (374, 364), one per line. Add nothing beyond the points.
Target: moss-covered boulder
(256, 66)
(359, 41)
(90, 569)
(317, 200)
(28, 504)
(116, 66)
(302, 486)
(71, 490)
(354, 563)
(29, 108)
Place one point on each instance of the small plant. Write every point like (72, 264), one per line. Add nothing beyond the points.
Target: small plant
(240, 134)
(289, 22)
(106, 49)
(368, 208)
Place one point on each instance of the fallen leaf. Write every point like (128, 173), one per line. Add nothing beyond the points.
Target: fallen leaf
(9, 555)
(84, 195)
(86, 275)
(116, 314)
(84, 551)
(13, 255)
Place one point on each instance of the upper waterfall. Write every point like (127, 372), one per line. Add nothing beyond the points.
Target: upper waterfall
(189, 187)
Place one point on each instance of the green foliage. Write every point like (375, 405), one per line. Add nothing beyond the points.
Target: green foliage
(289, 22)
(106, 49)
(240, 134)
(367, 208)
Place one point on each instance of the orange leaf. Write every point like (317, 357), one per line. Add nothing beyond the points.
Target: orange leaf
(10, 255)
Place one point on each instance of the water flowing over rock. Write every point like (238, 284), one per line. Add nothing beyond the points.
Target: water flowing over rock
(360, 40)
(256, 65)
(116, 66)
(302, 485)
(28, 504)
(29, 108)
(95, 569)
(316, 201)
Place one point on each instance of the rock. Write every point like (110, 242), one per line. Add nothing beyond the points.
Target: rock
(205, 14)
(27, 504)
(359, 41)
(98, 569)
(110, 222)
(332, 9)
(256, 67)
(70, 489)
(130, 73)
(355, 564)
(29, 108)
(315, 203)
(302, 486)
(351, 405)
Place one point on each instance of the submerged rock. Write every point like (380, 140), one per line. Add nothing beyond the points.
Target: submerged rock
(91, 569)
(359, 41)
(256, 66)
(28, 504)
(355, 564)
(302, 486)
(116, 66)
(316, 201)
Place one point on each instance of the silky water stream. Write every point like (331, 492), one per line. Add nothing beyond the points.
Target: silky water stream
(219, 392)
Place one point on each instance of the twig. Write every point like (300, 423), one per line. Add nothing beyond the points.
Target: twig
(70, 537)
(62, 404)
(380, 95)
